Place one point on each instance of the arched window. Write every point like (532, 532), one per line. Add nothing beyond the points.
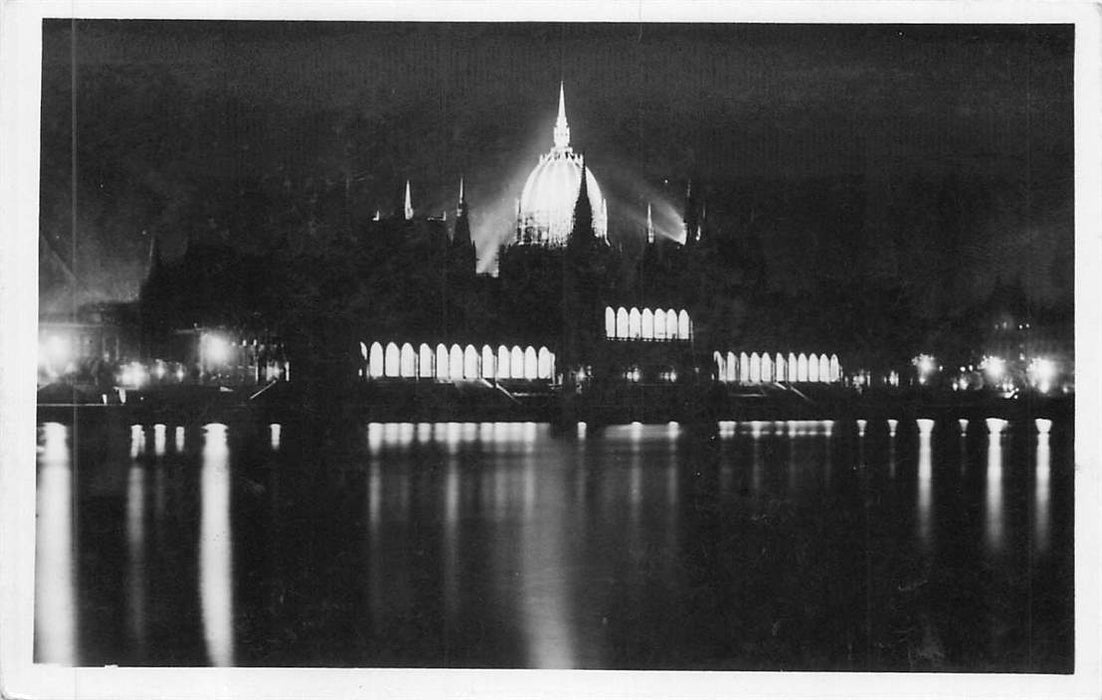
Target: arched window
(621, 323)
(766, 368)
(780, 369)
(684, 330)
(516, 361)
(504, 364)
(824, 368)
(660, 325)
(409, 361)
(835, 369)
(488, 362)
(426, 366)
(732, 367)
(744, 368)
(634, 324)
(531, 363)
(393, 360)
(793, 368)
(801, 368)
(648, 324)
(813, 368)
(671, 324)
(442, 364)
(610, 322)
(455, 362)
(546, 365)
(755, 368)
(375, 361)
(721, 366)
(470, 363)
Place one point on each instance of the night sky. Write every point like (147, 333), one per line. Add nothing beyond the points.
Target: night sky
(940, 157)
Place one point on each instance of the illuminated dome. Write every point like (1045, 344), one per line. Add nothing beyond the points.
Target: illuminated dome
(545, 214)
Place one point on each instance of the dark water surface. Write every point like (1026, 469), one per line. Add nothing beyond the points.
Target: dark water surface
(795, 545)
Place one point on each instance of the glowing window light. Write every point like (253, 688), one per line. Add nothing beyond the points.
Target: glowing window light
(375, 361)
(744, 368)
(755, 368)
(216, 349)
(407, 365)
(503, 363)
(648, 324)
(610, 322)
(516, 362)
(824, 368)
(835, 369)
(766, 368)
(455, 362)
(426, 365)
(780, 368)
(793, 368)
(635, 324)
(721, 368)
(470, 363)
(684, 328)
(732, 367)
(392, 365)
(925, 365)
(994, 368)
(442, 364)
(671, 324)
(1042, 372)
(488, 362)
(531, 363)
(546, 365)
(659, 325)
(621, 323)
(813, 368)
(801, 368)
(363, 350)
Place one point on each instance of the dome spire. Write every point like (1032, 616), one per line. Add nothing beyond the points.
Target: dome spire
(409, 203)
(562, 130)
(650, 225)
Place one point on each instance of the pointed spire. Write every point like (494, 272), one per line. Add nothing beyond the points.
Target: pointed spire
(154, 264)
(650, 225)
(562, 130)
(409, 203)
(583, 210)
(461, 208)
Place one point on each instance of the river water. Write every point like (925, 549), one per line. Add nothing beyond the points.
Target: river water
(790, 545)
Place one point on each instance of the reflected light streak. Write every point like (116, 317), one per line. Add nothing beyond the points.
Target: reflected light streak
(828, 428)
(1041, 509)
(135, 537)
(893, 425)
(756, 468)
(180, 434)
(581, 429)
(963, 423)
(159, 439)
(276, 431)
(137, 440)
(925, 476)
(994, 514)
(1044, 425)
(216, 547)
(374, 437)
(862, 424)
(424, 433)
(55, 612)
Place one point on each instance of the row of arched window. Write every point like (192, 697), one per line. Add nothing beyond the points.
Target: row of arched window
(622, 324)
(755, 368)
(456, 362)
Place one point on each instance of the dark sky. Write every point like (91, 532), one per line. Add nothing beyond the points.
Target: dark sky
(941, 156)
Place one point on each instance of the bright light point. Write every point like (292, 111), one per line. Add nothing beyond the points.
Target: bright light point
(1044, 425)
(892, 425)
(963, 422)
(217, 349)
(582, 427)
(861, 425)
(925, 426)
(926, 365)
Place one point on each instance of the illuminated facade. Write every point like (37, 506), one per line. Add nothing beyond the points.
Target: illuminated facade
(545, 212)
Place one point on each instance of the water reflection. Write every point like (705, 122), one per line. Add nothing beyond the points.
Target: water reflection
(1041, 488)
(215, 547)
(994, 514)
(275, 431)
(925, 474)
(180, 439)
(55, 600)
(135, 536)
(159, 439)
